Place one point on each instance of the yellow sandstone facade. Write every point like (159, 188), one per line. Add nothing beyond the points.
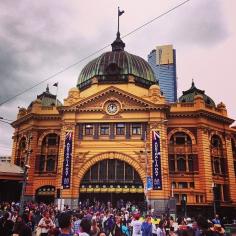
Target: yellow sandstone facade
(112, 116)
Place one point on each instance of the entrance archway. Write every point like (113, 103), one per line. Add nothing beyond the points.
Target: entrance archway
(111, 180)
(45, 194)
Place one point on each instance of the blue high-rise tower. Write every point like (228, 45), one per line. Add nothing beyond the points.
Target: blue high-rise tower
(163, 62)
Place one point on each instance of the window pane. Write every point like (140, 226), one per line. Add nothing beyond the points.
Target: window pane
(190, 163)
(217, 166)
(50, 164)
(89, 129)
(120, 129)
(41, 163)
(52, 141)
(119, 170)
(104, 129)
(136, 129)
(94, 172)
(103, 170)
(181, 164)
(111, 169)
(183, 185)
(128, 172)
(172, 163)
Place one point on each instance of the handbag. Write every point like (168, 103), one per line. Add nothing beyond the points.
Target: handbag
(38, 231)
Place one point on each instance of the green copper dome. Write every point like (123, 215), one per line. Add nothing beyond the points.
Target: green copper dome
(115, 66)
(188, 95)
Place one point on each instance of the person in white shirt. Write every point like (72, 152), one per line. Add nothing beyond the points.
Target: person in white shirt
(136, 225)
(46, 224)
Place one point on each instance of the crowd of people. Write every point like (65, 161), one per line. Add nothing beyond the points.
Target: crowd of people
(99, 219)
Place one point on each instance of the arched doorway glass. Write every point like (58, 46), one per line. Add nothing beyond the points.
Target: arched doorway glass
(111, 180)
(45, 194)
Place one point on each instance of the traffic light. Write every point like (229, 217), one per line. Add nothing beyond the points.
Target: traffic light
(58, 193)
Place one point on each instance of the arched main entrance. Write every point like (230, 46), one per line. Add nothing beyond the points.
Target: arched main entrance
(45, 194)
(111, 180)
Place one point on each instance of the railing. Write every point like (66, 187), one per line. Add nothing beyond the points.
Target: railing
(181, 149)
(219, 152)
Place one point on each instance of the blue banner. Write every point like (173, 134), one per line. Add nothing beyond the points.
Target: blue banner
(156, 160)
(66, 172)
(149, 183)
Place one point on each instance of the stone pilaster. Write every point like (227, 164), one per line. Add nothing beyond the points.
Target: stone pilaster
(230, 166)
(205, 170)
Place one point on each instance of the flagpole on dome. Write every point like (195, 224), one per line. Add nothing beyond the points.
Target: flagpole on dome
(119, 14)
(56, 85)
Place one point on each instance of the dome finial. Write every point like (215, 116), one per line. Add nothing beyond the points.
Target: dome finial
(118, 44)
(193, 84)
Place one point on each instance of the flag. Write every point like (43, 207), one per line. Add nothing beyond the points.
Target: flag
(56, 84)
(120, 12)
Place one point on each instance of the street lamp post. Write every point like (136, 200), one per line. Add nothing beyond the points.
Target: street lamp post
(164, 121)
(214, 200)
(25, 174)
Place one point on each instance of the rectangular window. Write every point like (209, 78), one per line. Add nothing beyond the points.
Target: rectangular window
(197, 199)
(183, 185)
(120, 129)
(136, 129)
(88, 129)
(172, 163)
(52, 141)
(104, 129)
(201, 198)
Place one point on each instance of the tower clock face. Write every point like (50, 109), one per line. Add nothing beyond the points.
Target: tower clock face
(112, 108)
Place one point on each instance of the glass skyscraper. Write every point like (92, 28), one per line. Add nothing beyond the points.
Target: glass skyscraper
(163, 62)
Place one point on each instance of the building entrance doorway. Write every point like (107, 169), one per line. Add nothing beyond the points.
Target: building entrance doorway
(113, 181)
(45, 194)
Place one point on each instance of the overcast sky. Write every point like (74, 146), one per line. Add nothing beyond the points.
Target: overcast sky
(40, 38)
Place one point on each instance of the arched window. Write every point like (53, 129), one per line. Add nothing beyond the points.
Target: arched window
(218, 156)
(180, 138)
(20, 159)
(216, 141)
(181, 155)
(111, 171)
(47, 160)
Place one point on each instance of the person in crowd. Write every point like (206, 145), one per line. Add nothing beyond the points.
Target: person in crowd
(216, 220)
(117, 229)
(76, 224)
(6, 225)
(146, 227)
(136, 225)
(64, 221)
(124, 228)
(21, 228)
(94, 228)
(161, 229)
(85, 227)
(46, 224)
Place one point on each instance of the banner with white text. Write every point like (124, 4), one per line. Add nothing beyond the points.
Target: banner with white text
(156, 161)
(66, 172)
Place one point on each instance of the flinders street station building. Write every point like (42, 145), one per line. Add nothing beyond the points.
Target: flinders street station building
(116, 137)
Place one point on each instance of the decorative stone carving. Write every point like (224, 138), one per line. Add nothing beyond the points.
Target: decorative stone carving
(73, 97)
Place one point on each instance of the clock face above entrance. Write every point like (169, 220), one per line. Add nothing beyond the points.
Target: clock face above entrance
(112, 107)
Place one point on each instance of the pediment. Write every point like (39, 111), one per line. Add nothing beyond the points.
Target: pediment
(126, 100)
